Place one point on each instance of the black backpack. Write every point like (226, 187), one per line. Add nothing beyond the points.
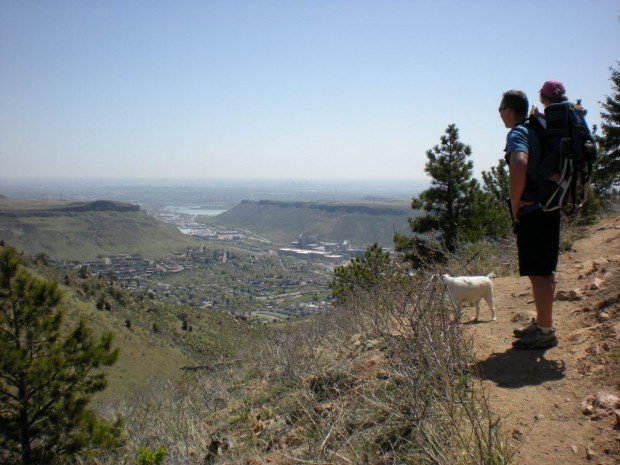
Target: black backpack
(568, 152)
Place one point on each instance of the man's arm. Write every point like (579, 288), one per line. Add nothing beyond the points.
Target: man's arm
(517, 170)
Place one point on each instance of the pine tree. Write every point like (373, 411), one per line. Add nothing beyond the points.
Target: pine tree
(47, 372)
(447, 198)
(607, 171)
(361, 273)
(497, 187)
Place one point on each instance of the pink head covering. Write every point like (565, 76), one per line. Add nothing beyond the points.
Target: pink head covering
(552, 89)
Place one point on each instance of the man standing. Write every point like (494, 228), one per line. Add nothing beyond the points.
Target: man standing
(538, 232)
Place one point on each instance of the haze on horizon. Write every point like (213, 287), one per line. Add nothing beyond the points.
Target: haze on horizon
(280, 90)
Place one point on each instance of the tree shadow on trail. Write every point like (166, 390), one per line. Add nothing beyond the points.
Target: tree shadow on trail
(519, 368)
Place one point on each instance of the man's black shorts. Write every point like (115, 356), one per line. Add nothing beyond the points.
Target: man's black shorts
(538, 241)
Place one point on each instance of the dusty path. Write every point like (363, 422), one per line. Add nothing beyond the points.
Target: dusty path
(539, 393)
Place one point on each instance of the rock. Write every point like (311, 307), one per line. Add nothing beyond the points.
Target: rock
(518, 434)
(523, 317)
(562, 295)
(617, 417)
(574, 448)
(602, 316)
(606, 401)
(589, 267)
(539, 416)
(600, 405)
(587, 405)
(576, 294)
(590, 453)
(596, 283)
(571, 296)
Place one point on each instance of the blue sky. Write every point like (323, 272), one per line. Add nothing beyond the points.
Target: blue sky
(280, 89)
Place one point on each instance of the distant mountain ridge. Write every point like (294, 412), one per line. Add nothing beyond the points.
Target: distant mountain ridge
(83, 230)
(361, 223)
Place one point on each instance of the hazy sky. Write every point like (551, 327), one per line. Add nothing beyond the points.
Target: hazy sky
(280, 89)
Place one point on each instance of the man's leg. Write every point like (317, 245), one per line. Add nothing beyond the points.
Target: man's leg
(543, 288)
(543, 335)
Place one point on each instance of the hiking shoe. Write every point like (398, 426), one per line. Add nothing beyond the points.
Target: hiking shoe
(525, 330)
(536, 339)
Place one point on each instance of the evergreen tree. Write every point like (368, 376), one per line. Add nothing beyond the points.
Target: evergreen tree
(47, 373)
(607, 171)
(497, 187)
(447, 198)
(361, 273)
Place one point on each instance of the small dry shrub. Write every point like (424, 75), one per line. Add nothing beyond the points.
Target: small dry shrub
(173, 414)
(483, 257)
(428, 408)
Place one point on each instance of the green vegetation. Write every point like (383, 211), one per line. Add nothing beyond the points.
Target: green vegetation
(497, 188)
(607, 169)
(47, 377)
(150, 457)
(362, 273)
(457, 209)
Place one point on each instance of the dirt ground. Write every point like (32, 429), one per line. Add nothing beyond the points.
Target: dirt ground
(539, 393)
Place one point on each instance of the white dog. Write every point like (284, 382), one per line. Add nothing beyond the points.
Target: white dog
(470, 289)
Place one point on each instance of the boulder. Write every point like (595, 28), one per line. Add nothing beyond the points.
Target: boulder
(600, 405)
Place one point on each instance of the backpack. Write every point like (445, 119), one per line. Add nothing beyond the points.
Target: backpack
(568, 153)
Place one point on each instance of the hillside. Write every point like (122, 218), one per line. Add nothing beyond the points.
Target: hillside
(83, 230)
(283, 222)
(153, 344)
(539, 398)
(357, 385)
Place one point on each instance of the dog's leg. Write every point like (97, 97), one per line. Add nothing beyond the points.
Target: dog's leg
(477, 310)
(489, 299)
(459, 311)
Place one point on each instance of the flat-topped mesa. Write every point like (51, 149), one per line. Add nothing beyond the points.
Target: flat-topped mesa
(43, 208)
(102, 205)
(367, 208)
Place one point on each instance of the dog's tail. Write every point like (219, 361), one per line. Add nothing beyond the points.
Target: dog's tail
(491, 275)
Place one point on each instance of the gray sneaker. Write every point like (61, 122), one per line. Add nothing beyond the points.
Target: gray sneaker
(525, 330)
(536, 339)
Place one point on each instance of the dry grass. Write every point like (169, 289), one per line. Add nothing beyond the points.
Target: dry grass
(385, 378)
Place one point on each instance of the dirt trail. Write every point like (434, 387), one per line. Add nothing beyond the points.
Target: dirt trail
(539, 393)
